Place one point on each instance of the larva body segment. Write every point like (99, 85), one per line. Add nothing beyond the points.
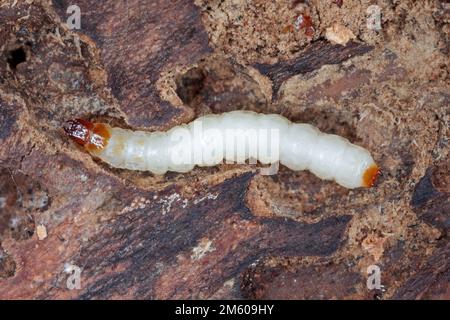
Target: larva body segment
(234, 136)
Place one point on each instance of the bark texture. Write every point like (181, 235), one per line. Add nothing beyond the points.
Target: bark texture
(222, 232)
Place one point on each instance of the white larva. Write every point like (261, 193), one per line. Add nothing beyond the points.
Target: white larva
(209, 139)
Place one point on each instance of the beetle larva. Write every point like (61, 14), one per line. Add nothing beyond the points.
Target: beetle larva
(234, 136)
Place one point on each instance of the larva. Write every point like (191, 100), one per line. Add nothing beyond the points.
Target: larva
(234, 136)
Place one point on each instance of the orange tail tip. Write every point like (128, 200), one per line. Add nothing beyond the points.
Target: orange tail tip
(92, 136)
(370, 176)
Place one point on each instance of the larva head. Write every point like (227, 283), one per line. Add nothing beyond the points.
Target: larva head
(370, 175)
(93, 136)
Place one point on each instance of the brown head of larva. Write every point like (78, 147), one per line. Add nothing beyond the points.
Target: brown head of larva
(370, 176)
(92, 136)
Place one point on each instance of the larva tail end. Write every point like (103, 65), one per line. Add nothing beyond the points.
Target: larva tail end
(78, 130)
(370, 176)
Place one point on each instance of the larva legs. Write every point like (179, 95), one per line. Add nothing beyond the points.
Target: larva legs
(234, 137)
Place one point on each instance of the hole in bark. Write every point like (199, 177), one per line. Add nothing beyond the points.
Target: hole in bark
(16, 56)
(220, 85)
(190, 84)
(7, 265)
